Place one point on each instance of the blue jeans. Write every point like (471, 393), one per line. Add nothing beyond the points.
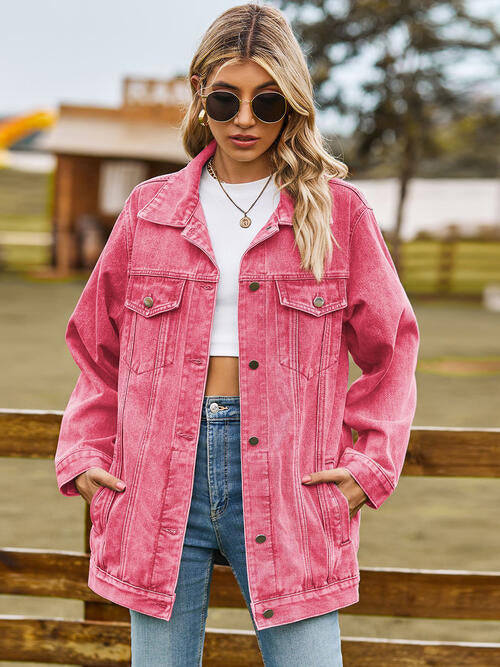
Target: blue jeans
(215, 523)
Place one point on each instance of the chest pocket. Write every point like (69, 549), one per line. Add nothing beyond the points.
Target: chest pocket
(309, 322)
(154, 304)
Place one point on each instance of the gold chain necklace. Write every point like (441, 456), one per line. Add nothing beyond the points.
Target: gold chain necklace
(245, 220)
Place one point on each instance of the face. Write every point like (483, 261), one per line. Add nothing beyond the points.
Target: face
(245, 80)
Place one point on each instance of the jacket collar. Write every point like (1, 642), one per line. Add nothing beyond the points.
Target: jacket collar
(177, 200)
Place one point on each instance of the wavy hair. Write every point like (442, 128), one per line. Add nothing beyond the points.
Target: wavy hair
(300, 160)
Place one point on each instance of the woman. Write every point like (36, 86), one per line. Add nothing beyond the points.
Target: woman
(211, 421)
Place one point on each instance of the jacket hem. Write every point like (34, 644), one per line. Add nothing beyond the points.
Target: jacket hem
(127, 595)
(286, 609)
(299, 606)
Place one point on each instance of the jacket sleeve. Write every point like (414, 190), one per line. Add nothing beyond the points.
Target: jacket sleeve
(382, 336)
(88, 427)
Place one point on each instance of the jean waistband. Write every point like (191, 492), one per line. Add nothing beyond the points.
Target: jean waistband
(220, 407)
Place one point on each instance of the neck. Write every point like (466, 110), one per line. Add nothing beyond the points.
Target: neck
(233, 171)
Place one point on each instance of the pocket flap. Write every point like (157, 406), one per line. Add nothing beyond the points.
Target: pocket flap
(165, 293)
(301, 294)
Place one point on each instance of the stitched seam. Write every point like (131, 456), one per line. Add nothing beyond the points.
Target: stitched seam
(127, 243)
(308, 590)
(82, 449)
(249, 606)
(356, 220)
(155, 195)
(205, 607)
(127, 583)
(344, 184)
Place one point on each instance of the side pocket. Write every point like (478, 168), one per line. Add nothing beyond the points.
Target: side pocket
(95, 504)
(340, 505)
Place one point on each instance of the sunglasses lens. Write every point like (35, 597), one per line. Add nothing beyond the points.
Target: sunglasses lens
(269, 107)
(222, 106)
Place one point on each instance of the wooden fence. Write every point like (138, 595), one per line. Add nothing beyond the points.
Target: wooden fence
(102, 637)
(453, 266)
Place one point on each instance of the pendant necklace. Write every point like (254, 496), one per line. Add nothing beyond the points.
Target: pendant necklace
(245, 220)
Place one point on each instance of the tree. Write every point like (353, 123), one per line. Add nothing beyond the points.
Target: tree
(414, 46)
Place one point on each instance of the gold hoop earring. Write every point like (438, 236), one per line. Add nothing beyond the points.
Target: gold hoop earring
(202, 118)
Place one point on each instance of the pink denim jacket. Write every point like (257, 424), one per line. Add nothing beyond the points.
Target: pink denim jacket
(140, 335)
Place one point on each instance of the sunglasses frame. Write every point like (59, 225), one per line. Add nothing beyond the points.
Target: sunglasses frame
(240, 101)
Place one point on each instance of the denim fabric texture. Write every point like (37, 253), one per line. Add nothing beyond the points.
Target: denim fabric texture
(215, 525)
(140, 334)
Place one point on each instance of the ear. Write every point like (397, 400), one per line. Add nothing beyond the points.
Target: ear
(195, 82)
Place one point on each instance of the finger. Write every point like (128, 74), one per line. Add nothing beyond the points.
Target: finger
(113, 482)
(104, 478)
(328, 475)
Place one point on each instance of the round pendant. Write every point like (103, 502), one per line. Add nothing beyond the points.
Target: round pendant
(245, 221)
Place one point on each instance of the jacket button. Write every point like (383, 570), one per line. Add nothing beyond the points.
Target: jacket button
(254, 286)
(260, 538)
(253, 440)
(319, 301)
(253, 364)
(268, 613)
(148, 301)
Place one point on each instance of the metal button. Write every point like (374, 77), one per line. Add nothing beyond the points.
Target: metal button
(253, 364)
(260, 538)
(319, 301)
(254, 286)
(253, 440)
(214, 407)
(268, 613)
(148, 301)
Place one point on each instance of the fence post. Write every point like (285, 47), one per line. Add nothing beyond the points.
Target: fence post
(446, 263)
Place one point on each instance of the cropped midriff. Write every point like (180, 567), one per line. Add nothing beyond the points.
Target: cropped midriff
(223, 377)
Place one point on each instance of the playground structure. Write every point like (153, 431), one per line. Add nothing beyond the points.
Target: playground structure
(15, 128)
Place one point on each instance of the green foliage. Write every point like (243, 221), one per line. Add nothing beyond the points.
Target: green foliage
(412, 100)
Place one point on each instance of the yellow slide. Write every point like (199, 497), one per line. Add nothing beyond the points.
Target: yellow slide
(14, 128)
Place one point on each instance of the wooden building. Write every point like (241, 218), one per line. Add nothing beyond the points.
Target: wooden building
(101, 154)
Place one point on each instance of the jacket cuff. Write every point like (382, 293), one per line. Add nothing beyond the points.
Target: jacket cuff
(368, 475)
(75, 463)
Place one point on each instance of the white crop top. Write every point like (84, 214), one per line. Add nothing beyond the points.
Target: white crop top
(229, 241)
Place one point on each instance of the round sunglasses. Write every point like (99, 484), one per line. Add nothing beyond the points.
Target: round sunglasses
(222, 105)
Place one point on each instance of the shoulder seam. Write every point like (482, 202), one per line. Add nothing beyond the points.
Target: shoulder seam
(352, 188)
(128, 237)
(358, 218)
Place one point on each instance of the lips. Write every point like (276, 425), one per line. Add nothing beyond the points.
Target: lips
(243, 137)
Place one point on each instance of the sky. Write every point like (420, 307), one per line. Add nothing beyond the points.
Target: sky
(64, 51)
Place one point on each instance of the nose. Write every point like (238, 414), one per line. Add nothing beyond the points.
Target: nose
(245, 116)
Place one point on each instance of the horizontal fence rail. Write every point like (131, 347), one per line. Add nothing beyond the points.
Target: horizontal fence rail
(102, 638)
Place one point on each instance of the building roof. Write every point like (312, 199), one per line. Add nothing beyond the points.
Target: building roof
(146, 134)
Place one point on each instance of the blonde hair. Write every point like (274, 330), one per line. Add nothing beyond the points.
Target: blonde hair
(299, 158)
